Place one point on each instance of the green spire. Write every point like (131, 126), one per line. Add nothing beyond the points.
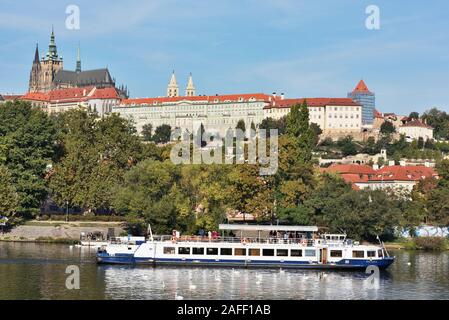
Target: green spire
(52, 50)
(78, 60)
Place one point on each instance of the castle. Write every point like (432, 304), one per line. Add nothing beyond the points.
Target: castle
(47, 74)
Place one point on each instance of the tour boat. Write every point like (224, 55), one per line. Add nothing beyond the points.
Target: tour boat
(269, 246)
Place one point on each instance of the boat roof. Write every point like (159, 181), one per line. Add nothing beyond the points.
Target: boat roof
(247, 227)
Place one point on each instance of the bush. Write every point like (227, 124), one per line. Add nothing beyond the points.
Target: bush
(430, 243)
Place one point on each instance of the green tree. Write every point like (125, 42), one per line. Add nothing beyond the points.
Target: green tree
(162, 134)
(387, 128)
(241, 125)
(347, 146)
(147, 132)
(27, 148)
(439, 120)
(9, 199)
(414, 115)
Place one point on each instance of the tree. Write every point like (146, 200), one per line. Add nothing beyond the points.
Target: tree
(241, 125)
(97, 153)
(27, 147)
(162, 134)
(270, 123)
(439, 120)
(316, 132)
(414, 115)
(347, 146)
(387, 128)
(299, 129)
(147, 131)
(9, 199)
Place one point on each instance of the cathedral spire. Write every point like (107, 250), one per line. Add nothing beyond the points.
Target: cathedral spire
(190, 90)
(78, 60)
(172, 88)
(36, 54)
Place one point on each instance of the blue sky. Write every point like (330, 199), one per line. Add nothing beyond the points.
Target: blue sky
(304, 48)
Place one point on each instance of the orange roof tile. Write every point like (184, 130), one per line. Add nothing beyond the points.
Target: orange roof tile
(313, 102)
(415, 123)
(361, 87)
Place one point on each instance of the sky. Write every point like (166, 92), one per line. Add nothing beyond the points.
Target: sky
(303, 48)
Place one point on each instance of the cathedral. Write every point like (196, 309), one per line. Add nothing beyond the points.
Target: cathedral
(48, 74)
(173, 88)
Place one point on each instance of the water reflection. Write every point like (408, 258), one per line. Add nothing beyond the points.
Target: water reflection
(33, 271)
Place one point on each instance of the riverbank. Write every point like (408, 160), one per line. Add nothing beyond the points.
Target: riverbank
(58, 231)
(423, 243)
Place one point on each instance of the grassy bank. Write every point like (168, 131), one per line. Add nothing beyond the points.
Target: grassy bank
(423, 243)
(43, 240)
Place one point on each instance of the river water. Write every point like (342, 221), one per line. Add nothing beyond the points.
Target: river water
(38, 271)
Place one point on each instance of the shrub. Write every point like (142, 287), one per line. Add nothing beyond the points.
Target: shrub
(430, 243)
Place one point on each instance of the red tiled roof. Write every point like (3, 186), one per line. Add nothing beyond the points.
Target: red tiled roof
(404, 173)
(72, 95)
(313, 102)
(350, 169)
(11, 97)
(208, 99)
(416, 123)
(361, 87)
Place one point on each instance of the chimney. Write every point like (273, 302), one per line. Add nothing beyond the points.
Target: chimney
(391, 163)
(375, 167)
(84, 92)
(282, 96)
(402, 163)
(427, 164)
(274, 94)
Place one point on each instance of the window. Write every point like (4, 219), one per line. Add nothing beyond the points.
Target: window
(336, 253)
(212, 251)
(226, 251)
(358, 254)
(198, 250)
(268, 252)
(240, 252)
(379, 253)
(295, 253)
(371, 254)
(183, 250)
(169, 250)
(282, 252)
(254, 252)
(310, 253)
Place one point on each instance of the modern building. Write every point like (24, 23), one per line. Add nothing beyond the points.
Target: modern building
(367, 99)
(48, 74)
(415, 129)
(99, 100)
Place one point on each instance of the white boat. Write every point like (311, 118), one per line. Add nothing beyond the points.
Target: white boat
(282, 247)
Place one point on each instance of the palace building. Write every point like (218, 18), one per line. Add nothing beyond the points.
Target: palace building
(47, 73)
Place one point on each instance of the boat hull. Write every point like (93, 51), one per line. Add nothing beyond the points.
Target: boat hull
(345, 264)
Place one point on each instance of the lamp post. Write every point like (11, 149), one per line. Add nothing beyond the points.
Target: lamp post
(67, 211)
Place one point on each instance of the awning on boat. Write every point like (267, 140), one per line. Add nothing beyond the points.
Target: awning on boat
(246, 227)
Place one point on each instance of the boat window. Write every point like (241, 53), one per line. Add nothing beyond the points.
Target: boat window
(169, 250)
(310, 253)
(296, 253)
(226, 251)
(358, 254)
(198, 250)
(212, 251)
(336, 253)
(371, 254)
(282, 252)
(268, 252)
(379, 253)
(183, 250)
(240, 252)
(254, 252)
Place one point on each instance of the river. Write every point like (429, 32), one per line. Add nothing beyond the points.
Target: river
(38, 271)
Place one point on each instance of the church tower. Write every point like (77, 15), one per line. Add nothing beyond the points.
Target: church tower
(35, 73)
(50, 65)
(190, 90)
(172, 88)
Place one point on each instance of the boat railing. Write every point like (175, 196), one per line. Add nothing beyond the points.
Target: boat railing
(243, 240)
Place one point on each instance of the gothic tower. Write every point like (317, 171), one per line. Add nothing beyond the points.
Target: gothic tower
(35, 73)
(172, 88)
(51, 64)
(190, 90)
